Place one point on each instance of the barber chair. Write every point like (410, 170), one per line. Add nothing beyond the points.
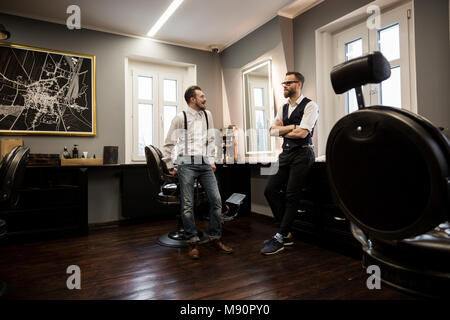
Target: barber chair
(389, 174)
(169, 196)
(12, 170)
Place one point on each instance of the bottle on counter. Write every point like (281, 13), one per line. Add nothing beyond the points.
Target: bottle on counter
(66, 154)
(75, 151)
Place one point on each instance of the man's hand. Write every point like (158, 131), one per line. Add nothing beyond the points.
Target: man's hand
(298, 133)
(174, 172)
(279, 129)
(213, 166)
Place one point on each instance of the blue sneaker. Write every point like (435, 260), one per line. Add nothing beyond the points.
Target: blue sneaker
(272, 246)
(287, 241)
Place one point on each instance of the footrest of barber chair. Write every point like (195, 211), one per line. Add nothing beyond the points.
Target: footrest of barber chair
(412, 279)
(175, 239)
(419, 265)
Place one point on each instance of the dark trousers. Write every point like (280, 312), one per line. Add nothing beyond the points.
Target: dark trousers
(284, 189)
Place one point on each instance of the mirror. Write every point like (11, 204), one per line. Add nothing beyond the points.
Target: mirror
(258, 108)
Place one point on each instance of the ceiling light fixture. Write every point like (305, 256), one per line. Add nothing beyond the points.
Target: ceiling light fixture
(165, 16)
(4, 34)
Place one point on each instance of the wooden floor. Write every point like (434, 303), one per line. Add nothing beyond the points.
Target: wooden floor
(126, 263)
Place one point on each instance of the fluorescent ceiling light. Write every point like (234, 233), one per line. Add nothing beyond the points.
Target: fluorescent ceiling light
(165, 16)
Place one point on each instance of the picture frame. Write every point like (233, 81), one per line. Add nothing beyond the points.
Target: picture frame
(46, 92)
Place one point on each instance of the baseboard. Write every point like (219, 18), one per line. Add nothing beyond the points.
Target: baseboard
(103, 225)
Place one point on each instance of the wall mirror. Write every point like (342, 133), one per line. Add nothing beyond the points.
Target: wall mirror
(258, 108)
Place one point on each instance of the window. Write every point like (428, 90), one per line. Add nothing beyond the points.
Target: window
(389, 46)
(389, 42)
(355, 34)
(390, 88)
(391, 39)
(156, 101)
(353, 49)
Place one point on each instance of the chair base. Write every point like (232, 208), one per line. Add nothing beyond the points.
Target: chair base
(175, 239)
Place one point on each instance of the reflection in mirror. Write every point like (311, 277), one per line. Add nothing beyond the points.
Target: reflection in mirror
(258, 108)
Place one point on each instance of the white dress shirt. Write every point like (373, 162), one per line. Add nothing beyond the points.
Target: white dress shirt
(174, 144)
(310, 114)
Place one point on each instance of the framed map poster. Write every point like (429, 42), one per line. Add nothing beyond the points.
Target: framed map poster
(46, 92)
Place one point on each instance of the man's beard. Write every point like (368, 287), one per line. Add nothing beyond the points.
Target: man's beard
(288, 93)
(201, 106)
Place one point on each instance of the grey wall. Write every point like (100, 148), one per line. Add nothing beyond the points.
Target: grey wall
(110, 51)
(268, 41)
(265, 42)
(305, 26)
(433, 60)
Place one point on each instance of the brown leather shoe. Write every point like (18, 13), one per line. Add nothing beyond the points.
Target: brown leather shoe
(222, 247)
(193, 252)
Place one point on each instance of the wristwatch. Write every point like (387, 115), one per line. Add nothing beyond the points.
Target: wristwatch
(295, 126)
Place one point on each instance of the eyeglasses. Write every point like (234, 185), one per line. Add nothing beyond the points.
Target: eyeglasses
(288, 83)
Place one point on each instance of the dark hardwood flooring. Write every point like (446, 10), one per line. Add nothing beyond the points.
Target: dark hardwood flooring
(126, 263)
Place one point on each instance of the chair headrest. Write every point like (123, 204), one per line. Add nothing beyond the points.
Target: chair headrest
(372, 68)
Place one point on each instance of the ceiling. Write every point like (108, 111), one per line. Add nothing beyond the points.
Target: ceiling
(196, 23)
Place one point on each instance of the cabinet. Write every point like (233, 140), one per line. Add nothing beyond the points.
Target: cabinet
(319, 217)
(52, 201)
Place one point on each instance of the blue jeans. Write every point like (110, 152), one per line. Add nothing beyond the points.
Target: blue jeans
(187, 173)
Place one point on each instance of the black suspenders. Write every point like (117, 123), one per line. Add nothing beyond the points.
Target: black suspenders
(186, 133)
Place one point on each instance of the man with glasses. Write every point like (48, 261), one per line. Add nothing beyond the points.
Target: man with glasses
(294, 122)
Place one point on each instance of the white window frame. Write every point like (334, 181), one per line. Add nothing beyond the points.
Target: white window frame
(325, 46)
(179, 103)
(359, 31)
(135, 111)
(184, 73)
(398, 15)
(158, 107)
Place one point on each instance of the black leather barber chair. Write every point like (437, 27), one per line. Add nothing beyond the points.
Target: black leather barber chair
(389, 173)
(169, 196)
(12, 170)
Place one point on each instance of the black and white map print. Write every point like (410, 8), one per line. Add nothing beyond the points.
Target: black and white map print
(45, 92)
